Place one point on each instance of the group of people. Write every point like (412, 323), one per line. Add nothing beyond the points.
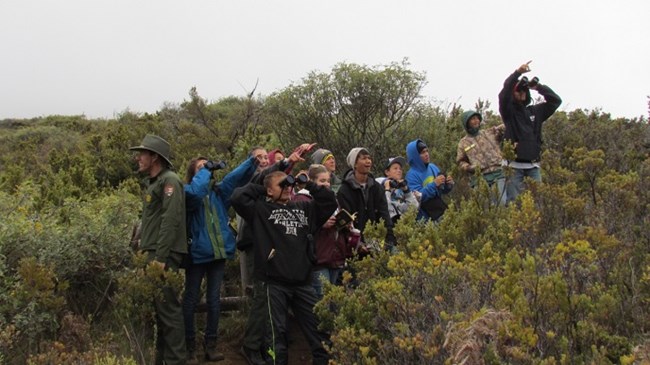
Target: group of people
(295, 233)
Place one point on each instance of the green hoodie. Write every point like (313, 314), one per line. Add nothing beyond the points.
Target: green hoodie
(465, 119)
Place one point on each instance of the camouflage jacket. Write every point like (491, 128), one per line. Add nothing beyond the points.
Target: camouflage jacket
(481, 151)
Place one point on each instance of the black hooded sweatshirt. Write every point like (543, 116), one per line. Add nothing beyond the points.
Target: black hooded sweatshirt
(245, 237)
(368, 203)
(524, 122)
(287, 229)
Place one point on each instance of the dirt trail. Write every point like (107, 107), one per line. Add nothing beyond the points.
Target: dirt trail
(299, 353)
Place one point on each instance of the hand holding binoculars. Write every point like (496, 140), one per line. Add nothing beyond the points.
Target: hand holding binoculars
(292, 181)
(214, 165)
(525, 84)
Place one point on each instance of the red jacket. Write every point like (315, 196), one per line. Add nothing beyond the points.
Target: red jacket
(331, 245)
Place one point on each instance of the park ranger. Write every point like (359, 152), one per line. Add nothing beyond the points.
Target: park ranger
(163, 240)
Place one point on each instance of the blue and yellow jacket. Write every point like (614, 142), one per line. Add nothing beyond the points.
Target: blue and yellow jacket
(420, 177)
(207, 212)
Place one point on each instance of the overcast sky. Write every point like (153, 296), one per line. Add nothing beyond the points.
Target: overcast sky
(100, 58)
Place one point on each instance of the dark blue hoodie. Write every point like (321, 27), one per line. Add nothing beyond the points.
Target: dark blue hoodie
(420, 177)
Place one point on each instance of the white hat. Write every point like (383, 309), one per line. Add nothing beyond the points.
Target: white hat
(354, 153)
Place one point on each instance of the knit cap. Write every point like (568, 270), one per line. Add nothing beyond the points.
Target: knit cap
(321, 155)
(354, 154)
(421, 146)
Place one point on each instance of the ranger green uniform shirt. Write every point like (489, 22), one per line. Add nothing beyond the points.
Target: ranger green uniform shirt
(163, 216)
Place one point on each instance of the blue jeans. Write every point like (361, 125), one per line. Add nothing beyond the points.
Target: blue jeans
(515, 183)
(330, 275)
(501, 187)
(213, 272)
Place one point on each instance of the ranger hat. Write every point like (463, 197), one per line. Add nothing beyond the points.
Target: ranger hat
(155, 144)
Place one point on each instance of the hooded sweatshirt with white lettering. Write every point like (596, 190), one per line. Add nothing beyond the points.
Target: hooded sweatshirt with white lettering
(283, 233)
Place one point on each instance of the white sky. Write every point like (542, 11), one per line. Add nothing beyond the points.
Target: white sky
(99, 58)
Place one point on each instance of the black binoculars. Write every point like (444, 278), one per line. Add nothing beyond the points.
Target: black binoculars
(291, 181)
(525, 84)
(215, 165)
(396, 184)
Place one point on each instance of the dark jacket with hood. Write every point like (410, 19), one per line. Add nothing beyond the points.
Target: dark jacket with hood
(369, 203)
(245, 237)
(523, 121)
(421, 178)
(331, 246)
(283, 233)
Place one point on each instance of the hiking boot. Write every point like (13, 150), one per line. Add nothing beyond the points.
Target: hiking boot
(252, 357)
(211, 353)
(190, 344)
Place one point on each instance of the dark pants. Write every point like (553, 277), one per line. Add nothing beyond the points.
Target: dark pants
(302, 300)
(194, 274)
(170, 339)
(258, 316)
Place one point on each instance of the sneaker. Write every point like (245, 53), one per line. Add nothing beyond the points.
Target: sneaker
(214, 355)
(252, 357)
(211, 353)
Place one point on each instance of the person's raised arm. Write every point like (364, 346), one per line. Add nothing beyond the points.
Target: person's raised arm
(241, 175)
(197, 189)
(244, 199)
(552, 101)
(505, 96)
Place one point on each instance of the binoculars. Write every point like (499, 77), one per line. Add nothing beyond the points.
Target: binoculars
(214, 165)
(291, 181)
(396, 184)
(525, 84)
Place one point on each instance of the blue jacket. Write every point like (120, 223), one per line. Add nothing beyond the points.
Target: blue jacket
(420, 177)
(207, 212)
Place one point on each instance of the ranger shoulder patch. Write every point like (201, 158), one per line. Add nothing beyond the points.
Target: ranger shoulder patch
(169, 190)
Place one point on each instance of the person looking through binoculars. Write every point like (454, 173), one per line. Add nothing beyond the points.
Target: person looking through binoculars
(211, 242)
(283, 233)
(253, 347)
(398, 194)
(524, 125)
